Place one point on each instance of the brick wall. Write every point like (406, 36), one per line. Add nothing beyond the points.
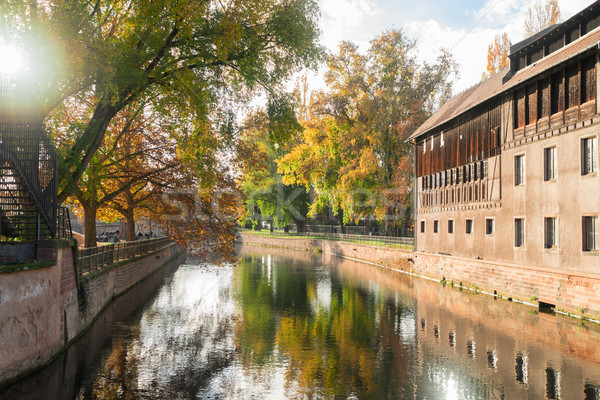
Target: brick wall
(567, 290)
(40, 310)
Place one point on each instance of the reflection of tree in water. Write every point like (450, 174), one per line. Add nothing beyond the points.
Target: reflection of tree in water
(175, 351)
(116, 379)
(119, 379)
(351, 348)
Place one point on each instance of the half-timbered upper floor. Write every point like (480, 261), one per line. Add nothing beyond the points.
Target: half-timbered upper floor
(546, 93)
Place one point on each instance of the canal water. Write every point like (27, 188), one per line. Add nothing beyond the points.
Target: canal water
(296, 325)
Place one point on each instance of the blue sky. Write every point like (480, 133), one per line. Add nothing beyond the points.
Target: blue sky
(466, 27)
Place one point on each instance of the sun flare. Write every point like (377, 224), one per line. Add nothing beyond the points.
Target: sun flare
(11, 59)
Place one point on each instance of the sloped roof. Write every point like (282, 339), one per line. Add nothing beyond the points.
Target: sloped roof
(494, 86)
(463, 102)
(524, 43)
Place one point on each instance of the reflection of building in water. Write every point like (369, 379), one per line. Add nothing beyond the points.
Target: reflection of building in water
(516, 364)
(496, 343)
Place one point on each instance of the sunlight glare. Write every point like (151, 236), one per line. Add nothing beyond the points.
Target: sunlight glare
(11, 59)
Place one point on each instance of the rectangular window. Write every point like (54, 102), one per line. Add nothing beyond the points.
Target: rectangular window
(543, 107)
(469, 226)
(591, 391)
(550, 232)
(489, 226)
(590, 233)
(519, 170)
(588, 77)
(521, 369)
(552, 384)
(531, 104)
(435, 226)
(450, 226)
(519, 107)
(519, 232)
(556, 92)
(589, 155)
(573, 34)
(422, 226)
(549, 163)
(572, 81)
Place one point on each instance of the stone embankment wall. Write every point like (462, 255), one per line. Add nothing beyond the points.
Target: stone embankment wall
(387, 256)
(43, 310)
(570, 291)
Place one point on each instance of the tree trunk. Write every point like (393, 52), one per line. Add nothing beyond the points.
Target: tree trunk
(129, 210)
(341, 218)
(84, 149)
(300, 225)
(367, 226)
(130, 225)
(90, 225)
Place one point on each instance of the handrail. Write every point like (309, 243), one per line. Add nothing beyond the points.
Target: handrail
(93, 258)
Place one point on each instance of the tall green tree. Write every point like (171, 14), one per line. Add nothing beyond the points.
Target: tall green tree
(263, 141)
(354, 151)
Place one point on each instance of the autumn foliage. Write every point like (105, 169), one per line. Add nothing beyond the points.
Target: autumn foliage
(497, 56)
(541, 16)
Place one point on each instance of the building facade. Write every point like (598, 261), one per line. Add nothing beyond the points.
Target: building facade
(508, 170)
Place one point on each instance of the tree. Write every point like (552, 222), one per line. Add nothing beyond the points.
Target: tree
(497, 57)
(137, 158)
(196, 51)
(263, 141)
(354, 151)
(541, 16)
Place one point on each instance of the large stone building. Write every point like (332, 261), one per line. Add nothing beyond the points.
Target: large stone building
(508, 170)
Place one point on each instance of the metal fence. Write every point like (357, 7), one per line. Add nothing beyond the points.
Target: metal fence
(63, 224)
(28, 164)
(388, 241)
(92, 258)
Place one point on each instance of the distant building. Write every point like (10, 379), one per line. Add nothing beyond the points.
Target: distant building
(508, 170)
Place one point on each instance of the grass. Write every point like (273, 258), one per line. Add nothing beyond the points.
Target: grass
(17, 266)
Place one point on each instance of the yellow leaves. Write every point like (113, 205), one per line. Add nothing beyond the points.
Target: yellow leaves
(497, 56)
(541, 16)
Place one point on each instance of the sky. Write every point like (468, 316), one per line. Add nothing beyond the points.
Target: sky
(465, 27)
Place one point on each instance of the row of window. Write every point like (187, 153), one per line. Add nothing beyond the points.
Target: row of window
(466, 194)
(589, 227)
(463, 174)
(521, 364)
(569, 87)
(589, 161)
(533, 54)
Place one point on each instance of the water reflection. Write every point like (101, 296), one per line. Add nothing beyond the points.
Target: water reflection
(301, 326)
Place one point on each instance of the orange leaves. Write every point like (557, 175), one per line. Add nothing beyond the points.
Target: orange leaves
(541, 16)
(497, 57)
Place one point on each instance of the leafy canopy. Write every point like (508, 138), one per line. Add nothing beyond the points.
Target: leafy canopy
(191, 53)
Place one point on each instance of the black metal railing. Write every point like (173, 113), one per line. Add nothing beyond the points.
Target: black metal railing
(28, 165)
(388, 241)
(93, 258)
(63, 224)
